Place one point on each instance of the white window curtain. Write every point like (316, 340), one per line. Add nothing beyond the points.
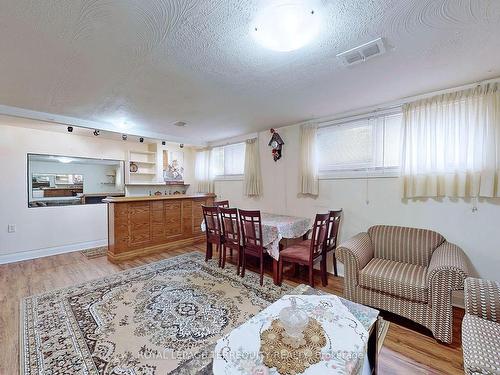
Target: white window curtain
(203, 171)
(252, 177)
(308, 168)
(451, 145)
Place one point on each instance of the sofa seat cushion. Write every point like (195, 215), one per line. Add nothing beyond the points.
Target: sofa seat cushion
(481, 345)
(404, 280)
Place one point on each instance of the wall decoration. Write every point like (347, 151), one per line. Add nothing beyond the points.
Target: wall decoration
(174, 171)
(277, 144)
(133, 167)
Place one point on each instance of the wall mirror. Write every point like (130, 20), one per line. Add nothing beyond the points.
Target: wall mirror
(66, 180)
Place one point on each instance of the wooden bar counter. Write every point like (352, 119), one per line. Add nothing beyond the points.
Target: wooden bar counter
(143, 225)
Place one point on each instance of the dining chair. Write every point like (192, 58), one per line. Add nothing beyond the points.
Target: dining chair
(251, 232)
(231, 234)
(334, 219)
(213, 231)
(223, 204)
(308, 252)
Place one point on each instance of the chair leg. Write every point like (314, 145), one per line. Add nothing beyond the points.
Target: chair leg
(334, 264)
(243, 263)
(239, 262)
(324, 278)
(261, 269)
(280, 271)
(208, 251)
(311, 275)
(219, 250)
(223, 255)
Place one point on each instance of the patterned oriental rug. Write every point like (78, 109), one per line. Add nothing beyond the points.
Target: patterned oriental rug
(160, 318)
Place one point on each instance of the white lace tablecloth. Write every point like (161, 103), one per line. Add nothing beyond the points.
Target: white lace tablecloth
(276, 227)
(344, 353)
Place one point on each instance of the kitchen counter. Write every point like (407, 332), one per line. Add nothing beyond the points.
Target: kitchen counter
(138, 226)
(155, 198)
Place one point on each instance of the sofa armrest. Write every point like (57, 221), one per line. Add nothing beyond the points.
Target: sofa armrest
(355, 253)
(449, 266)
(482, 298)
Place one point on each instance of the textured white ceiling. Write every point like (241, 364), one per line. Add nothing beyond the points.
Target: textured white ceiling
(159, 61)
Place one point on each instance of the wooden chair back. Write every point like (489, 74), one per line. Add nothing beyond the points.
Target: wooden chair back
(333, 229)
(230, 225)
(251, 230)
(224, 204)
(319, 233)
(213, 227)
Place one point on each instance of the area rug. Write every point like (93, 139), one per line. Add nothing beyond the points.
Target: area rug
(160, 318)
(95, 252)
(156, 319)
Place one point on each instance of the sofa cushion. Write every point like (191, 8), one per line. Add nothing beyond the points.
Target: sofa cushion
(404, 280)
(481, 345)
(402, 244)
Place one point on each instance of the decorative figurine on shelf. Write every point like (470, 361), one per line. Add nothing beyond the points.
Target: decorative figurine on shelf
(277, 144)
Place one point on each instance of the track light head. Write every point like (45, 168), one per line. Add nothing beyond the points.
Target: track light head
(124, 137)
(96, 132)
(181, 145)
(163, 143)
(70, 129)
(141, 139)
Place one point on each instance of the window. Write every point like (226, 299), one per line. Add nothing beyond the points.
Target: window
(228, 160)
(369, 146)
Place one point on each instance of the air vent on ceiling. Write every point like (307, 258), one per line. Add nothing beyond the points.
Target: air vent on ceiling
(363, 52)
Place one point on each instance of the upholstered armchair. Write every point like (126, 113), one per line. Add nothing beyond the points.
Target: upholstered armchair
(481, 327)
(410, 272)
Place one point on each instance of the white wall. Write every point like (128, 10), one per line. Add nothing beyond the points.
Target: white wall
(44, 230)
(476, 232)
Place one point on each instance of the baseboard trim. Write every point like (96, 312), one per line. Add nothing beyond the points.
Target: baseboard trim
(39, 253)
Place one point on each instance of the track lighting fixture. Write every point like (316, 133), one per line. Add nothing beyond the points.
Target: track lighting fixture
(181, 145)
(141, 139)
(70, 129)
(163, 143)
(96, 132)
(124, 137)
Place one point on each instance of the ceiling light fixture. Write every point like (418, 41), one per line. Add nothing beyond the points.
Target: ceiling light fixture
(141, 140)
(286, 25)
(64, 160)
(124, 137)
(96, 132)
(70, 129)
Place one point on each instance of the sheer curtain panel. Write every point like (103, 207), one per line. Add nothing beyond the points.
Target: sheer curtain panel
(451, 145)
(203, 172)
(252, 181)
(308, 167)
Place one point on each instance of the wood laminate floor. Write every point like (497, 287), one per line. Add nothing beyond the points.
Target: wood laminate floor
(408, 348)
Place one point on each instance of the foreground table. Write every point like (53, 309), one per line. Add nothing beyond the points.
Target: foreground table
(351, 330)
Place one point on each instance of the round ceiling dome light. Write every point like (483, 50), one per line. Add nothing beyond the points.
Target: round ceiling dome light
(286, 25)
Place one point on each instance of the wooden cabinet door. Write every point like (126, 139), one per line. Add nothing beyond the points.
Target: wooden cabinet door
(158, 221)
(173, 218)
(139, 221)
(187, 218)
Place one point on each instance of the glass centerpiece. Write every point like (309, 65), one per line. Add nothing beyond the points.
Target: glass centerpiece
(294, 320)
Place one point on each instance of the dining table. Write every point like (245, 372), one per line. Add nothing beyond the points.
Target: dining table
(275, 228)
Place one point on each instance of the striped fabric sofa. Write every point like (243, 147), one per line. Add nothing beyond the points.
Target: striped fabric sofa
(408, 271)
(481, 327)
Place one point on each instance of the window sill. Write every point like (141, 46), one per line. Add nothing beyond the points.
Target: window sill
(233, 177)
(358, 175)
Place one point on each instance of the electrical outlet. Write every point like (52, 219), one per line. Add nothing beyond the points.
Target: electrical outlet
(11, 228)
